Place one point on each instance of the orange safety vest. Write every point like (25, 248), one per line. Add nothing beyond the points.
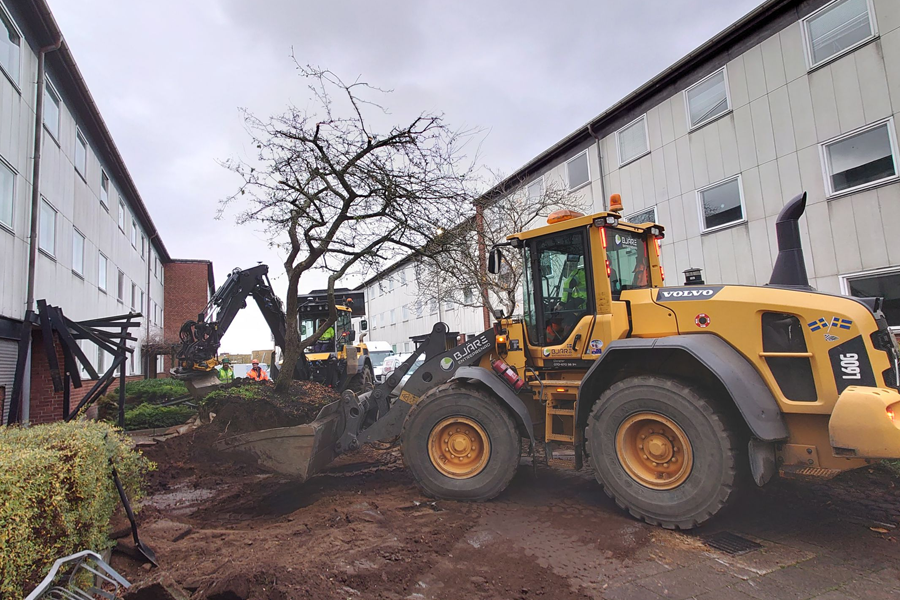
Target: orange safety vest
(262, 376)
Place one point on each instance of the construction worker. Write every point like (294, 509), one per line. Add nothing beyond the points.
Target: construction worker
(226, 373)
(256, 372)
(574, 295)
(325, 342)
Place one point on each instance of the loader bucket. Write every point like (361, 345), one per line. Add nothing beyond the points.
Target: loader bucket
(198, 383)
(299, 452)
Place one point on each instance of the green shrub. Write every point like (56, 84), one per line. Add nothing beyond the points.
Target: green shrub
(151, 416)
(150, 390)
(57, 495)
(247, 392)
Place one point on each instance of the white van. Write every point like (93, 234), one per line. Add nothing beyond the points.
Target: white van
(378, 351)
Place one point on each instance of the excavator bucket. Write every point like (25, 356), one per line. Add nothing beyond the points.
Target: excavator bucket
(300, 451)
(200, 383)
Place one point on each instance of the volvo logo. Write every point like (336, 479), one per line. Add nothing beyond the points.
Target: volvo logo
(700, 293)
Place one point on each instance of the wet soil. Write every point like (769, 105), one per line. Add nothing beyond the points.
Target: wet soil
(251, 406)
(362, 529)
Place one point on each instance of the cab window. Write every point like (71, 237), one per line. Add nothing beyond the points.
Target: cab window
(629, 264)
(558, 290)
(342, 328)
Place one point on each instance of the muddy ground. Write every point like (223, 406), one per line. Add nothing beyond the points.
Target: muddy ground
(225, 530)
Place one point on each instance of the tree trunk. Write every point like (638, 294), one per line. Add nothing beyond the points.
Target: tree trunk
(292, 342)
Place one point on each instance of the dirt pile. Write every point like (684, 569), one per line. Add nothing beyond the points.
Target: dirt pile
(238, 408)
(247, 405)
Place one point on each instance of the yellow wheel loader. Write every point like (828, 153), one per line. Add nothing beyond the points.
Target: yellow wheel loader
(671, 394)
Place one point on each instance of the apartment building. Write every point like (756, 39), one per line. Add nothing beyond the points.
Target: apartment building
(97, 251)
(797, 95)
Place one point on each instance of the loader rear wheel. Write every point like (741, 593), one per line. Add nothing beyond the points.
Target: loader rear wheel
(362, 382)
(664, 451)
(460, 444)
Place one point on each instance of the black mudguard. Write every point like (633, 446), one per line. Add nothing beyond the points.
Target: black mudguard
(749, 392)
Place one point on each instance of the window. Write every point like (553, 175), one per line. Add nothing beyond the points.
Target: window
(156, 266)
(432, 306)
(104, 189)
(882, 284)
(468, 296)
(577, 171)
(159, 363)
(390, 284)
(80, 153)
(449, 306)
(122, 215)
(707, 99)
(535, 190)
(406, 312)
(632, 141)
(10, 42)
(101, 360)
(141, 307)
(393, 319)
(403, 277)
(152, 315)
(161, 319)
(721, 204)
(101, 272)
(860, 159)
(47, 232)
(121, 287)
(629, 264)
(143, 245)
(7, 193)
(51, 110)
(645, 216)
(381, 287)
(78, 252)
(134, 234)
(836, 29)
(134, 295)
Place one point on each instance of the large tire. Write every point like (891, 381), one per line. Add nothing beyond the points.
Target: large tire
(452, 413)
(669, 494)
(362, 382)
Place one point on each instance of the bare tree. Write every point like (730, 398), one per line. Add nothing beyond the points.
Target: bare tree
(336, 193)
(456, 271)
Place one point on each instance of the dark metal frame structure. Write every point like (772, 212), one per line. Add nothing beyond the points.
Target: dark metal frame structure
(50, 320)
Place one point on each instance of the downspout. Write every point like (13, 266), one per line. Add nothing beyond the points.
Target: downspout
(145, 308)
(35, 200)
(36, 172)
(600, 163)
(482, 262)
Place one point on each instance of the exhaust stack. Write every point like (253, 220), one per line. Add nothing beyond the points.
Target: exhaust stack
(790, 270)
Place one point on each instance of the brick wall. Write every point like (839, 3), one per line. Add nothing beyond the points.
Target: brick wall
(46, 404)
(186, 295)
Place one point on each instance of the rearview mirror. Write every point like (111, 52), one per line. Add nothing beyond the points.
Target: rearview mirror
(364, 325)
(494, 260)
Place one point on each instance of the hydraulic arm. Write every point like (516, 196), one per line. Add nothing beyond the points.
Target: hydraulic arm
(200, 339)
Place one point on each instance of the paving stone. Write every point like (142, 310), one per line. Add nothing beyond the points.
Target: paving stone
(833, 595)
(730, 593)
(830, 568)
(688, 582)
(868, 589)
(791, 583)
(629, 591)
(772, 557)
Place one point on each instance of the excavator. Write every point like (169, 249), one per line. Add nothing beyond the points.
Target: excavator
(675, 396)
(337, 363)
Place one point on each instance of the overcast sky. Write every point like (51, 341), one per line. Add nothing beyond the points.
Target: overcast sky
(170, 75)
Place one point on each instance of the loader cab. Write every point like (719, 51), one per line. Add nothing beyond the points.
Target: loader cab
(344, 333)
(575, 272)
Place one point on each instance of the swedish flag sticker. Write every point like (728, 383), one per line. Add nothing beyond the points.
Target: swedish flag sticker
(841, 323)
(818, 324)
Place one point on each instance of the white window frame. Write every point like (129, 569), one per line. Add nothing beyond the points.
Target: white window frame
(104, 176)
(826, 167)
(540, 181)
(646, 139)
(50, 253)
(49, 87)
(405, 312)
(573, 159)
(627, 218)
(122, 221)
(687, 107)
(845, 282)
(12, 216)
(134, 295)
(75, 235)
(120, 286)
(80, 137)
(703, 229)
(102, 280)
(807, 41)
(143, 245)
(14, 80)
(134, 231)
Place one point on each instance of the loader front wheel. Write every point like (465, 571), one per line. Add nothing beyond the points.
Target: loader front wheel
(664, 451)
(460, 444)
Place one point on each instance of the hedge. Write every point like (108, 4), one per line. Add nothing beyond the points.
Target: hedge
(151, 390)
(57, 495)
(150, 416)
